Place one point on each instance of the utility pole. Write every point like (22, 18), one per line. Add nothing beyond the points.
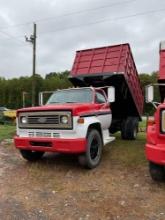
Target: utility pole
(23, 98)
(32, 40)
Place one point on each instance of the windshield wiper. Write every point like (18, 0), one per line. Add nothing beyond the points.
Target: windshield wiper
(53, 102)
(60, 102)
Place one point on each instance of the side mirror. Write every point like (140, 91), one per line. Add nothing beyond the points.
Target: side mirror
(40, 98)
(149, 96)
(111, 94)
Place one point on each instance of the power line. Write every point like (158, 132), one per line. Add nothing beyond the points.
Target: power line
(16, 25)
(69, 14)
(101, 21)
(86, 10)
(11, 37)
(56, 17)
(106, 20)
(92, 23)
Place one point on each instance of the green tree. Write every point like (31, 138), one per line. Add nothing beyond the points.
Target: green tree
(145, 80)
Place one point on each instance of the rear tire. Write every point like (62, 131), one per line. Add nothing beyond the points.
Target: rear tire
(31, 155)
(157, 172)
(129, 128)
(92, 157)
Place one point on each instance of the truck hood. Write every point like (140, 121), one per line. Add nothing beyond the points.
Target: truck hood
(76, 108)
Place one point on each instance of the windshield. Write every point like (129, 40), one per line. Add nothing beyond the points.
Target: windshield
(71, 96)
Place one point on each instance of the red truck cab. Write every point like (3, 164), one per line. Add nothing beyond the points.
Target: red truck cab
(155, 145)
(73, 121)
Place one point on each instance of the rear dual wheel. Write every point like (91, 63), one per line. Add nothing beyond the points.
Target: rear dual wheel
(129, 128)
(92, 157)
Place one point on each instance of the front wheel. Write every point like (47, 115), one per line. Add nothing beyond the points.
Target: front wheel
(157, 172)
(92, 157)
(31, 155)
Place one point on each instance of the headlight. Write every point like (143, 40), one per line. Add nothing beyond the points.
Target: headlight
(24, 120)
(64, 119)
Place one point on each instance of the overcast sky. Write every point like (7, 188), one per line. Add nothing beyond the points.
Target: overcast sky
(64, 26)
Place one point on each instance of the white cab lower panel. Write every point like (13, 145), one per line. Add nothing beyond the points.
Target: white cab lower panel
(106, 138)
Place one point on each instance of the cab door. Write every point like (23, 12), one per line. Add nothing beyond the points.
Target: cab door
(104, 114)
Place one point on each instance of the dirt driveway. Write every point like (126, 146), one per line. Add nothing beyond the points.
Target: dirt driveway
(57, 188)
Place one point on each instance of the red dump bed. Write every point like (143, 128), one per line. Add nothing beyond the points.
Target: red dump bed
(110, 60)
(161, 75)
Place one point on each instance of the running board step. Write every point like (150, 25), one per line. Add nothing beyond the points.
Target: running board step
(108, 140)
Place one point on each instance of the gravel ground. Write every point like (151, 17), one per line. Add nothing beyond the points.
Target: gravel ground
(57, 188)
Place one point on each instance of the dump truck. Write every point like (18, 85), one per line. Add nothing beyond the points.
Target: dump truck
(106, 98)
(155, 144)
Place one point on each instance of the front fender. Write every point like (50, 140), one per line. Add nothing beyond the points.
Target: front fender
(82, 129)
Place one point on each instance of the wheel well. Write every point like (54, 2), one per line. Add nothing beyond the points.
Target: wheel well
(96, 126)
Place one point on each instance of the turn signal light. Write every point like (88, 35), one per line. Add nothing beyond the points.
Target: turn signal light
(80, 121)
(150, 120)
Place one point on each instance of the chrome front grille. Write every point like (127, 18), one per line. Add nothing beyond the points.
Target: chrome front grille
(54, 119)
(45, 119)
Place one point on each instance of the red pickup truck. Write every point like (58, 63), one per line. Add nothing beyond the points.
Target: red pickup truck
(81, 120)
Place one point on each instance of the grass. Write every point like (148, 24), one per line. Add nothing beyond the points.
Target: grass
(128, 153)
(142, 125)
(7, 131)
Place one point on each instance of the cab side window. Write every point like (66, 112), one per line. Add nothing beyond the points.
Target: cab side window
(100, 98)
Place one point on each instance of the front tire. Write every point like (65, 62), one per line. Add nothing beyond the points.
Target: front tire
(31, 155)
(92, 157)
(157, 172)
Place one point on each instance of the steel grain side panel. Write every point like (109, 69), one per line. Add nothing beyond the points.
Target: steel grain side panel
(161, 74)
(110, 60)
